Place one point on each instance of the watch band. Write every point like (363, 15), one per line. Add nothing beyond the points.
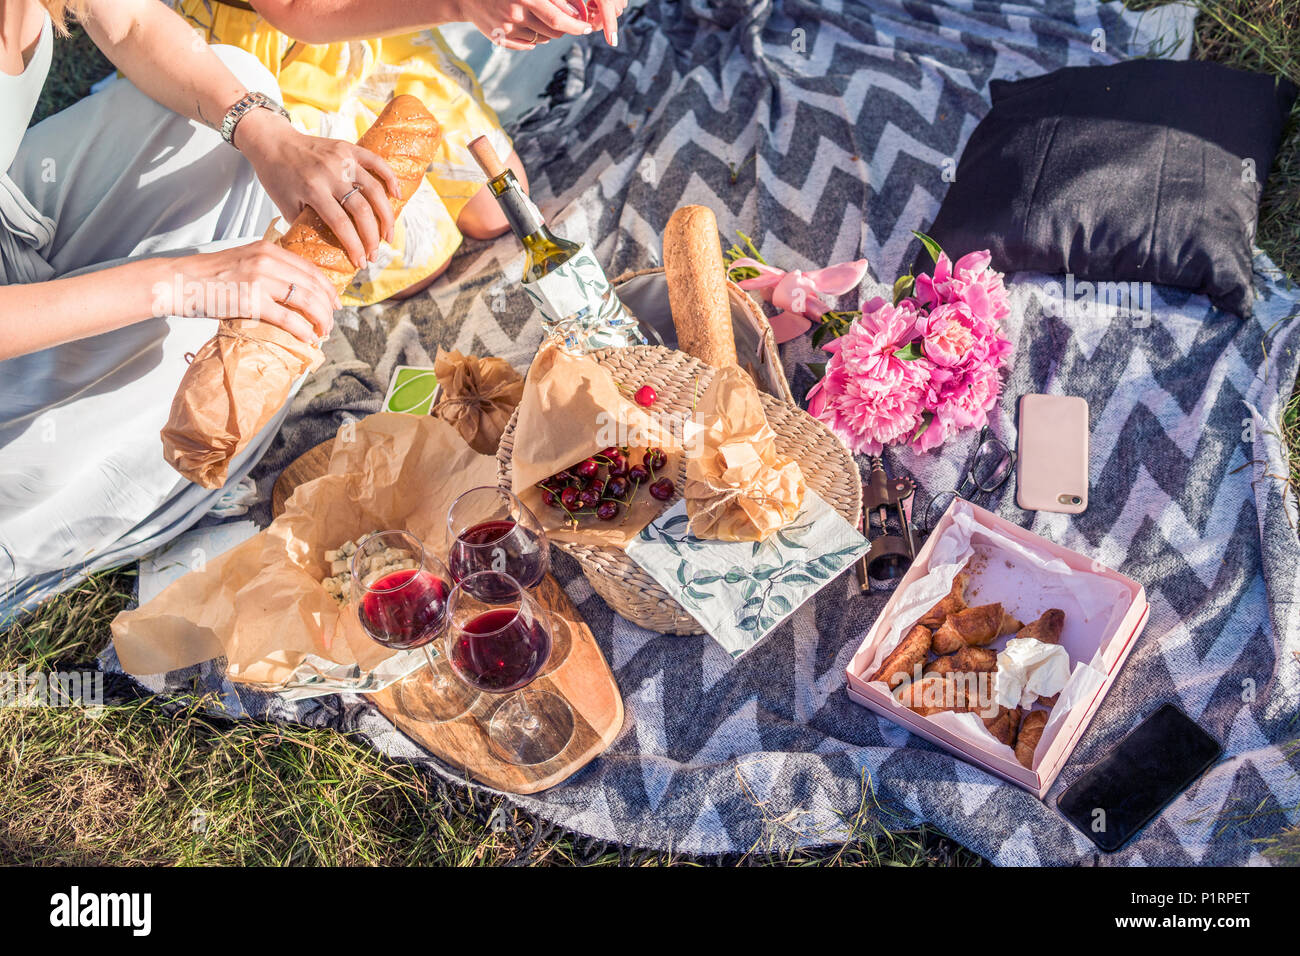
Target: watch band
(247, 103)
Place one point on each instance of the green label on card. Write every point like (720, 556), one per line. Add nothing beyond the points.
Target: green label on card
(411, 390)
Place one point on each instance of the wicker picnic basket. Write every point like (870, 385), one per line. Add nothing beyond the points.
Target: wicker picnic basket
(679, 378)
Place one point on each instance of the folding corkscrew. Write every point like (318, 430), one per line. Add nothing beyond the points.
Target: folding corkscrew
(891, 552)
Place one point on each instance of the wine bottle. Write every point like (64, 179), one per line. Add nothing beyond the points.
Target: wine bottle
(562, 277)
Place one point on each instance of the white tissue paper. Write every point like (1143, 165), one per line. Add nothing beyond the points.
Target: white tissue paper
(1029, 669)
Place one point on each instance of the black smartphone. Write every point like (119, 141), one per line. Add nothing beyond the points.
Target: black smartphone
(1156, 762)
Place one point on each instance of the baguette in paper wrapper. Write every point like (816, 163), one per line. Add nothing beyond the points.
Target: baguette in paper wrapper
(737, 487)
(242, 376)
(478, 397)
(571, 409)
(261, 604)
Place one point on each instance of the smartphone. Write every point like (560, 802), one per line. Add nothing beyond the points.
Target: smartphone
(1052, 454)
(1125, 791)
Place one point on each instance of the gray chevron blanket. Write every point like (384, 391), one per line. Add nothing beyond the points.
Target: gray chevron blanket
(823, 130)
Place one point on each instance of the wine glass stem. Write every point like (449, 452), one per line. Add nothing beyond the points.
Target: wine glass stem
(527, 720)
(437, 679)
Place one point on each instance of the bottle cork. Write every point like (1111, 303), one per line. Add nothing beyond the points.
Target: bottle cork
(486, 157)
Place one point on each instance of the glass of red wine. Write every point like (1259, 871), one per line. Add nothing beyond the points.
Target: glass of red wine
(498, 641)
(405, 607)
(492, 530)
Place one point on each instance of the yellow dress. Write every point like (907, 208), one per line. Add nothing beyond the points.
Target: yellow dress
(337, 90)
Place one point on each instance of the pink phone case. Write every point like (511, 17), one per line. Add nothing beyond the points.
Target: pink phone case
(1052, 455)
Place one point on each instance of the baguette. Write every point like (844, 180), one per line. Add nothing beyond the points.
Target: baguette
(405, 136)
(697, 286)
(241, 377)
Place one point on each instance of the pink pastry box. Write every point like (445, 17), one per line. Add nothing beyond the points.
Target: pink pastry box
(1105, 613)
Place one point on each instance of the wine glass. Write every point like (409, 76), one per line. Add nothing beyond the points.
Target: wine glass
(492, 530)
(498, 641)
(401, 594)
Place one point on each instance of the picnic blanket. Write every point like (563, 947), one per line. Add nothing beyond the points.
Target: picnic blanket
(822, 129)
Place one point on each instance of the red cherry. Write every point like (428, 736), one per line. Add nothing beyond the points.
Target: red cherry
(609, 452)
(646, 396)
(607, 511)
(663, 489)
(617, 465)
(637, 475)
(587, 468)
(655, 458)
(616, 487)
(597, 486)
(550, 499)
(569, 497)
(589, 498)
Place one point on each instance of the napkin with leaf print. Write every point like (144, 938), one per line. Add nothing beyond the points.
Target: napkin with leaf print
(739, 591)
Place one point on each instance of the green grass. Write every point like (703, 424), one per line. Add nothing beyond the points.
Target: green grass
(152, 782)
(162, 782)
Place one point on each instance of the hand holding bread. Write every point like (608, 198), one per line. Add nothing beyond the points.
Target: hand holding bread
(242, 377)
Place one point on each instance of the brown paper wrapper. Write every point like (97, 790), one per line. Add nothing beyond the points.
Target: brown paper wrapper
(737, 487)
(478, 397)
(236, 383)
(570, 410)
(261, 604)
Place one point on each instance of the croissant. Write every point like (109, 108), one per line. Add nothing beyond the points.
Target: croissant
(1003, 724)
(976, 659)
(241, 377)
(1031, 732)
(1047, 628)
(902, 660)
(952, 602)
(973, 626)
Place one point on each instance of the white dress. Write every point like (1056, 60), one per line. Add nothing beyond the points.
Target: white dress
(83, 484)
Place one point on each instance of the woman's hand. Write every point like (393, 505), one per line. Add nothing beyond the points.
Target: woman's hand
(522, 24)
(609, 11)
(256, 281)
(350, 188)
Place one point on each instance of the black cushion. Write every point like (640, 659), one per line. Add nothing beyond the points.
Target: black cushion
(1148, 170)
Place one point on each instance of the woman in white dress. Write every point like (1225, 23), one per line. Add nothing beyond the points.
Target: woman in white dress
(162, 182)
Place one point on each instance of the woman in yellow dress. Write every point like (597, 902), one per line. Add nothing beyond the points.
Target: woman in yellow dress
(339, 61)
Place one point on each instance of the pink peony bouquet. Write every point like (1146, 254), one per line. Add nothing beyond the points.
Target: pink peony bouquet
(919, 369)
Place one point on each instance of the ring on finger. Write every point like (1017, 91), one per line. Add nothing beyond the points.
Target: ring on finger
(289, 295)
(348, 195)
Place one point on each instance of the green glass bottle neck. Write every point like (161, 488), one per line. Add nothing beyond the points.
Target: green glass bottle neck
(525, 220)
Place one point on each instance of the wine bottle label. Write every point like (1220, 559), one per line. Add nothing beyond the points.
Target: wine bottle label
(580, 308)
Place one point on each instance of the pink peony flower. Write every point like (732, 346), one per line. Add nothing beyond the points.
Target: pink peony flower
(869, 396)
(947, 335)
(874, 393)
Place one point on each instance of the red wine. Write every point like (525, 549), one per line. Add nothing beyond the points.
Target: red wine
(499, 545)
(405, 609)
(500, 651)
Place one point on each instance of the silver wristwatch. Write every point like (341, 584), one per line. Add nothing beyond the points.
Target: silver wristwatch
(247, 103)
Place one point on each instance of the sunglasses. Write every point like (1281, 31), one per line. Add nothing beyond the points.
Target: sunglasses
(990, 467)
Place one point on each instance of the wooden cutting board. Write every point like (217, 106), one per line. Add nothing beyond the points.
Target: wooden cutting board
(582, 678)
